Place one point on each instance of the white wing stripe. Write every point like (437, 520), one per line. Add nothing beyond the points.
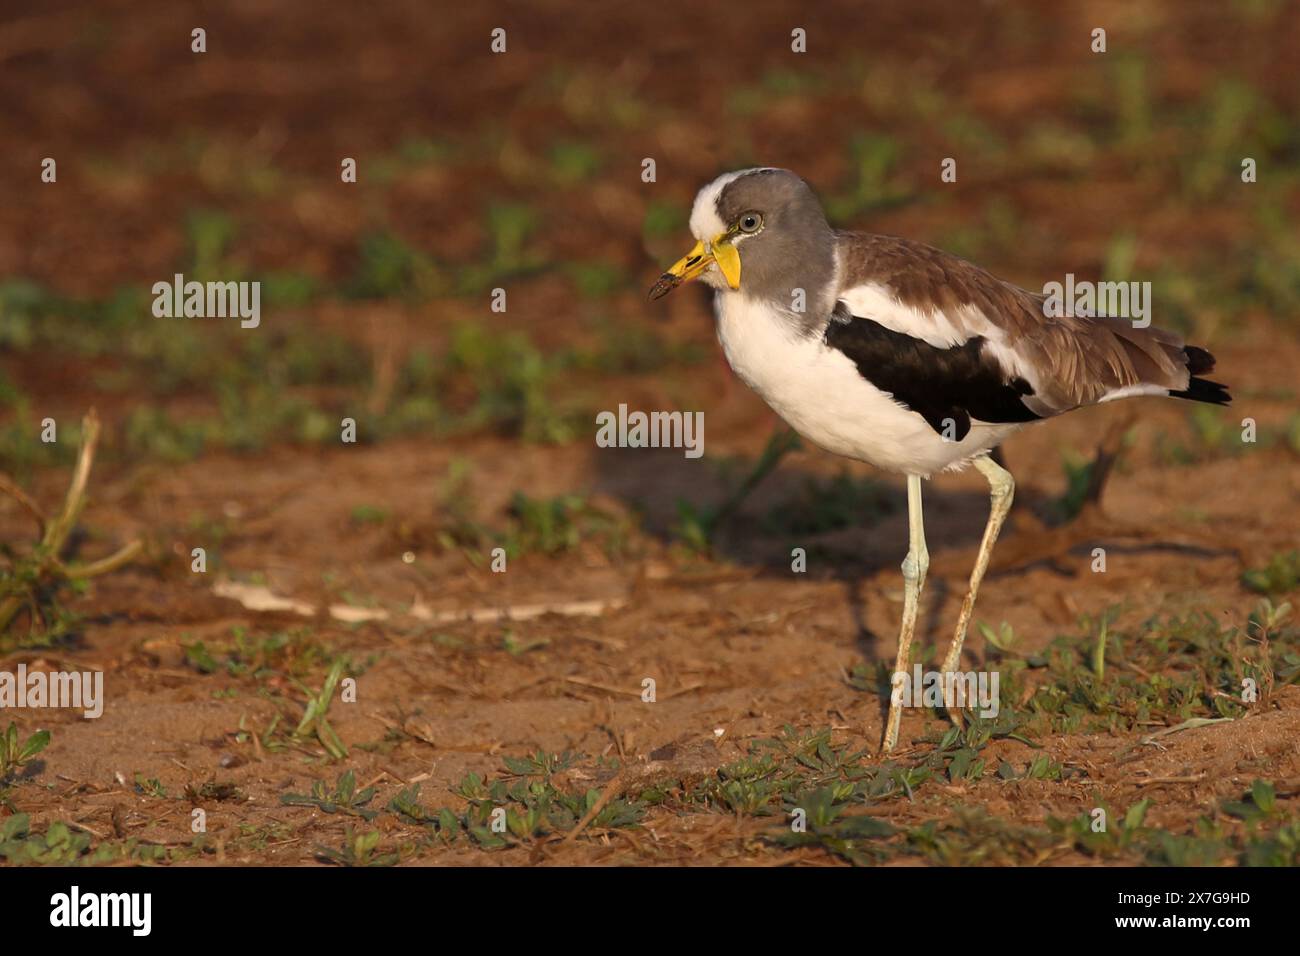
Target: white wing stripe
(876, 302)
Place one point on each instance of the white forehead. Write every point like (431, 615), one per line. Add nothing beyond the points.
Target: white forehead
(705, 221)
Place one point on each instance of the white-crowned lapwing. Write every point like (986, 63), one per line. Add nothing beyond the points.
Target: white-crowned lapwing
(894, 353)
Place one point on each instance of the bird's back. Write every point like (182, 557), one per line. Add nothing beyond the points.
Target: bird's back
(1068, 360)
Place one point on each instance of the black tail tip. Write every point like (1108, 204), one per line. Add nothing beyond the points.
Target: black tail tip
(1203, 390)
(1199, 361)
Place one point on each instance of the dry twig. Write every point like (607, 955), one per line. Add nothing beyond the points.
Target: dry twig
(42, 568)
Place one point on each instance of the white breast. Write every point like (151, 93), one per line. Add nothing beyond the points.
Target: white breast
(819, 392)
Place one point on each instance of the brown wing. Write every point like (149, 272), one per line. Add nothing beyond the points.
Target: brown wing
(1070, 360)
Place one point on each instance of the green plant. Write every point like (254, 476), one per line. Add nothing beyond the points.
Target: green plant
(345, 798)
(314, 718)
(1280, 576)
(829, 505)
(14, 755)
(696, 526)
(32, 578)
(358, 850)
(59, 845)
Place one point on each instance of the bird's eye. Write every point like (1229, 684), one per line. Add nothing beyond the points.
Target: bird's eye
(750, 222)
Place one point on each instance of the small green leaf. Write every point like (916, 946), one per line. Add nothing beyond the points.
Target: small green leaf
(35, 744)
(1136, 814)
(1265, 797)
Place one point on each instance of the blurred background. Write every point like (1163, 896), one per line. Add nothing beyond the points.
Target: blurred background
(522, 171)
(475, 429)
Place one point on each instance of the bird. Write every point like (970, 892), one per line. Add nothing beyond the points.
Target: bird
(892, 352)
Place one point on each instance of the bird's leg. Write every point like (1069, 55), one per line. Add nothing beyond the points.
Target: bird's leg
(914, 567)
(1001, 489)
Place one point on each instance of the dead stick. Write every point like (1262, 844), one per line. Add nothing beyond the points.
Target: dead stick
(8, 486)
(605, 687)
(1157, 780)
(613, 790)
(54, 534)
(104, 565)
(57, 532)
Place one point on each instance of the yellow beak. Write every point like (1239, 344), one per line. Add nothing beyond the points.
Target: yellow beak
(690, 266)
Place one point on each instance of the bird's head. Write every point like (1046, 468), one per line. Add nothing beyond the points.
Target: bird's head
(767, 220)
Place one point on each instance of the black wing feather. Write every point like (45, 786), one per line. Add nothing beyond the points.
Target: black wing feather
(945, 386)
